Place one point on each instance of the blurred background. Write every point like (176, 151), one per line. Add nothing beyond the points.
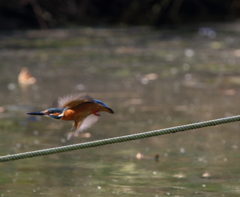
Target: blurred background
(157, 64)
(24, 14)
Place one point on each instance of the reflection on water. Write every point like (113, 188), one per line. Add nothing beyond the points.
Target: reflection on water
(152, 79)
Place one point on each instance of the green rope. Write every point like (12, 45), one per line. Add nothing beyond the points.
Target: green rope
(119, 139)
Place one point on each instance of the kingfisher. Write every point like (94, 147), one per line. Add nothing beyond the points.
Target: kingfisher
(81, 108)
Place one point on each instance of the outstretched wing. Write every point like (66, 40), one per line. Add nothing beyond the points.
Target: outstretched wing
(85, 124)
(72, 100)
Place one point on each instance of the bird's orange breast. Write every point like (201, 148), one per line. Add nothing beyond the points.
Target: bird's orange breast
(80, 112)
(72, 114)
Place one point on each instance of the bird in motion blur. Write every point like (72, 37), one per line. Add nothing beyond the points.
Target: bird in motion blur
(81, 108)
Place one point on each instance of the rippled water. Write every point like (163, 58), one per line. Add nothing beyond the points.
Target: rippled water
(152, 79)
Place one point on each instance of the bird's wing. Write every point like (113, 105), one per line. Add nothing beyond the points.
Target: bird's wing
(72, 100)
(85, 124)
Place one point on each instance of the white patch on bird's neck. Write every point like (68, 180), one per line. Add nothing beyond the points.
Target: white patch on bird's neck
(62, 114)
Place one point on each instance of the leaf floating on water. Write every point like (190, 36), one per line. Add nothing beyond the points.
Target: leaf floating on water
(229, 92)
(139, 155)
(179, 175)
(85, 135)
(151, 76)
(206, 175)
(2, 109)
(25, 77)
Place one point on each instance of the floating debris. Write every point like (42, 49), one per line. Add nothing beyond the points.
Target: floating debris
(206, 175)
(151, 76)
(139, 155)
(179, 175)
(85, 135)
(157, 157)
(25, 77)
(142, 156)
(2, 109)
(81, 135)
(229, 92)
(148, 77)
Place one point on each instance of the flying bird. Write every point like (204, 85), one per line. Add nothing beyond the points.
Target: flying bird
(81, 108)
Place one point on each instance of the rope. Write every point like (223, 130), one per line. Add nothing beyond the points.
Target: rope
(119, 139)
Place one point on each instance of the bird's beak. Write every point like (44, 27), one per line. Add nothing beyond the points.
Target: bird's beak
(110, 110)
(41, 113)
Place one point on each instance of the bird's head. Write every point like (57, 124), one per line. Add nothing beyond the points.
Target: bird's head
(52, 113)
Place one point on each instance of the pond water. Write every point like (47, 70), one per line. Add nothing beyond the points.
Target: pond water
(152, 79)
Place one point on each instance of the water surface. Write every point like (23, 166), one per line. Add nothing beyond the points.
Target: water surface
(152, 79)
